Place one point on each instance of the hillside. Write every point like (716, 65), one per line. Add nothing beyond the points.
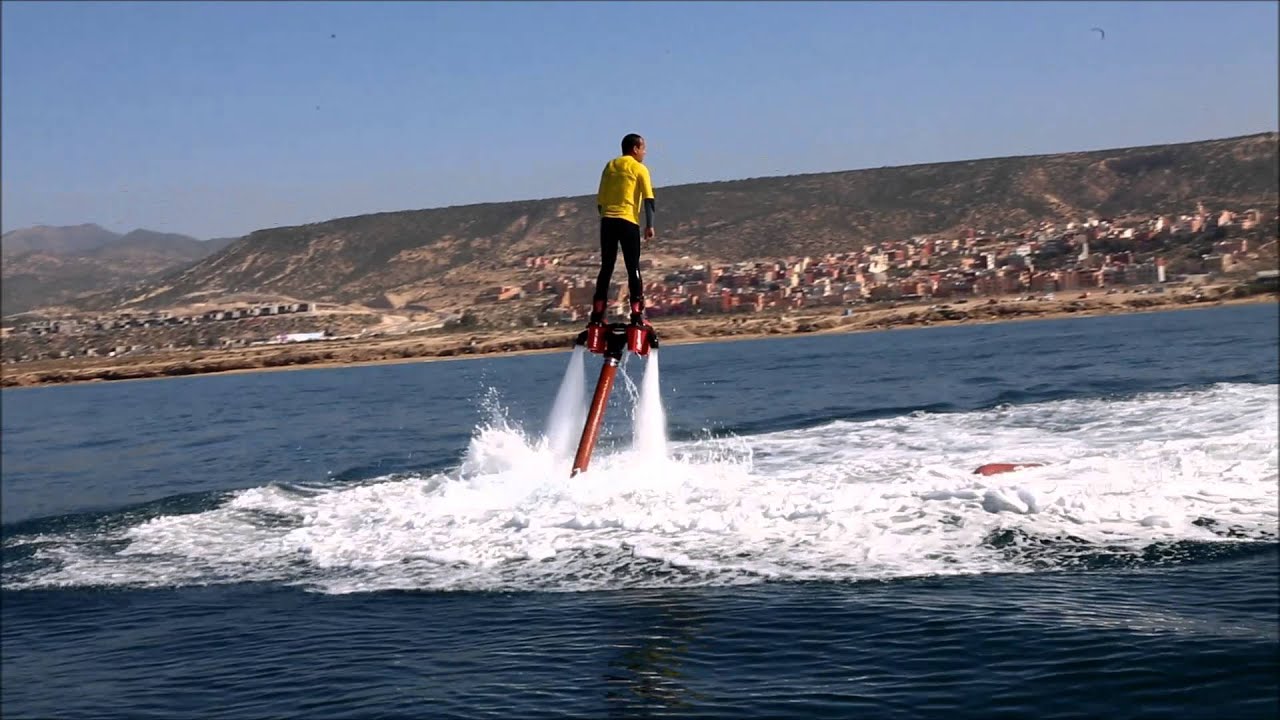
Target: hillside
(50, 265)
(56, 240)
(445, 255)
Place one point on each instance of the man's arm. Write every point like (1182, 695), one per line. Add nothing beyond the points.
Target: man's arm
(646, 188)
(600, 191)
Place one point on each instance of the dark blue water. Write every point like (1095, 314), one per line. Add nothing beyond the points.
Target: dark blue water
(1184, 629)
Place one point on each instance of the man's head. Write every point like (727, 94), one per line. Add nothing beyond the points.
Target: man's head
(633, 145)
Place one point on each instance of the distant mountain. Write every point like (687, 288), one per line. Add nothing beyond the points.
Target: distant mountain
(215, 244)
(444, 257)
(70, 239)
(50, 265)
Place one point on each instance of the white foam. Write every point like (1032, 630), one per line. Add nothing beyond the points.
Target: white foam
(887, 498)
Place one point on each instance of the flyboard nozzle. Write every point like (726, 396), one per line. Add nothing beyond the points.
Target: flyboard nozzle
(611, 340)
(638, 339)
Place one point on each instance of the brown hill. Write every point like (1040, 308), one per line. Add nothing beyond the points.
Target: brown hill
(445, 255)
(57, 240)
(49, 265)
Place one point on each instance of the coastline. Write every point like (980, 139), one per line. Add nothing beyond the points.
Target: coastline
(673, 331)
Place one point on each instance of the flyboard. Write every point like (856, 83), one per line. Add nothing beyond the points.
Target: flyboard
(610, 341)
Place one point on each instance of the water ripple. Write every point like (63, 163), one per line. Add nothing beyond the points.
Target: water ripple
(1095, 645)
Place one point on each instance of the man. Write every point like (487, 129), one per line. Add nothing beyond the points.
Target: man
(625, 191)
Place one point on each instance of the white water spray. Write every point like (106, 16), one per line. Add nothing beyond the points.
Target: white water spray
(840, 501)
(564, 426)
(650, 438)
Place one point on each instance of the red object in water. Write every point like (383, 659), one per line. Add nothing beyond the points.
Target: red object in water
(994, 468)
(591, 431)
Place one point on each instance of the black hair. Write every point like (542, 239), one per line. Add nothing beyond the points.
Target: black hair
(630, 142)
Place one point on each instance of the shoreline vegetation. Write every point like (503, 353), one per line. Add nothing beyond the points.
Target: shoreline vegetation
(671, 331)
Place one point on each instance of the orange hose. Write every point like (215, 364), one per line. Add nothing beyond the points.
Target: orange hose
(591, 431)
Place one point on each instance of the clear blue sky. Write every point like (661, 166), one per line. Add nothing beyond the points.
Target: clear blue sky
(216, 119)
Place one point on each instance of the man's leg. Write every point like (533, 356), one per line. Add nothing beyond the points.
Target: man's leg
(608, 257)
(635, 284)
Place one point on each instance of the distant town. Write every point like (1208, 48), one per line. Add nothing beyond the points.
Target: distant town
(1081, 256)
(119, 323)
(1088, 255)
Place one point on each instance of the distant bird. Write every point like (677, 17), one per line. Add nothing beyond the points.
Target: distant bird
(332, 36)
(1101, 32)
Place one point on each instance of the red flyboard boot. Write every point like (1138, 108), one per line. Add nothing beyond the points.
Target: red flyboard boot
(638, 330)
(595, 328)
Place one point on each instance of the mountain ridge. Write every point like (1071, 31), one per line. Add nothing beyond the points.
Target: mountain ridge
(443, 256)
(47, 264)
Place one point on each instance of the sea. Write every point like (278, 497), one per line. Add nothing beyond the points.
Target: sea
(771, 528)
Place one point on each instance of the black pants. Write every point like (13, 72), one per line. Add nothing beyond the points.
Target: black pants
(616, 232)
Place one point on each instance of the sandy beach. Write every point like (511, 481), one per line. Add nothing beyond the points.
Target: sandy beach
(672, 331)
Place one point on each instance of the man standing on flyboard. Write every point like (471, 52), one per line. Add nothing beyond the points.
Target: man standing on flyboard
(625, 189)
